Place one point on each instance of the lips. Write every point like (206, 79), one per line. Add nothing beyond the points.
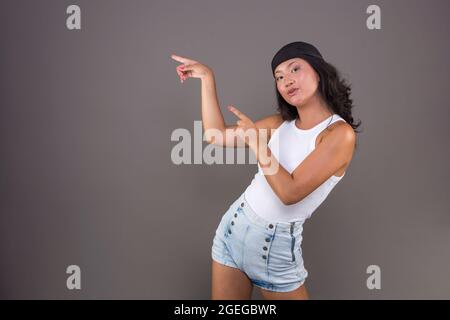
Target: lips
(292, 91)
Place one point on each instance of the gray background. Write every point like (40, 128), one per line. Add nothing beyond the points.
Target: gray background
(86, 119)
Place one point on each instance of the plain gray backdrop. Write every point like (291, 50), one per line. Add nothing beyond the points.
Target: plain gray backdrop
(86, 175)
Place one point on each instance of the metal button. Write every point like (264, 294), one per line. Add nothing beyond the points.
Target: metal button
(235, 215)
(229, 231)
(242, 204)
(264, 257)
(232, 223)
(267, 239)
(264, 248)
(270, 226)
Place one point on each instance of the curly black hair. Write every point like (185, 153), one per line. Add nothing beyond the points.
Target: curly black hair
(333, 89)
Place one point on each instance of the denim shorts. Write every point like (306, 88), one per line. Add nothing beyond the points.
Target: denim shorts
(269, 253)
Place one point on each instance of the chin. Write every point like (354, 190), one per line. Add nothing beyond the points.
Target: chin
(294, 101)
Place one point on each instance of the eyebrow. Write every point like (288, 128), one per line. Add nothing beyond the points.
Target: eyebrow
(287, 66)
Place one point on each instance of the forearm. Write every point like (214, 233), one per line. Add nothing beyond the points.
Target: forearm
(212, 117)
(278, 178)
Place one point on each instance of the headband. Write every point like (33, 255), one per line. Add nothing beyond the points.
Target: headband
(292, 50)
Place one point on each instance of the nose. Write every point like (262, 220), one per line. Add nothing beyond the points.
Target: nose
(288, 83)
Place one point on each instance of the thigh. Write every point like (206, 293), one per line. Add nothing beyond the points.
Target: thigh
(298, 294)
(229, 283)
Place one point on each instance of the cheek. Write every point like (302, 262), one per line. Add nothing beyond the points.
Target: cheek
(281, 90)
(303, 79)
(309, 84)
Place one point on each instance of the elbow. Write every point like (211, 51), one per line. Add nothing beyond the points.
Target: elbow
(291, 198)
(214, 142)
(287, 202)
(214, 137)
(210, 139)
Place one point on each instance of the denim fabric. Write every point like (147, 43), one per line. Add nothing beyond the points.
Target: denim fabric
(269, 253)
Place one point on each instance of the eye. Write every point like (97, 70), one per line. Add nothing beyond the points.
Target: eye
(295, 68)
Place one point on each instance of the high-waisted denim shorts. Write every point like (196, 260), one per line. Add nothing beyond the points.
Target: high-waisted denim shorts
(269, 253)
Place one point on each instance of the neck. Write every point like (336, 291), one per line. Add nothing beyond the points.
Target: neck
(312, 112)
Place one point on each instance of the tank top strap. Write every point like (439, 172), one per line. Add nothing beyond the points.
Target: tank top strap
(319, 129)
(335, 118)
(277, 130)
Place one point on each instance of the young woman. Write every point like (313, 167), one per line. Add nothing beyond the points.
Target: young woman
(311, 139)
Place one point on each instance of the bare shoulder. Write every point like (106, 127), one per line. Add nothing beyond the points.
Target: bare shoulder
(342, 132)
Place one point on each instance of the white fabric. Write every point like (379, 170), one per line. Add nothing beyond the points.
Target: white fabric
(290, 145)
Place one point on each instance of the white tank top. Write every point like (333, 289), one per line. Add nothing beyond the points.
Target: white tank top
(290, 146)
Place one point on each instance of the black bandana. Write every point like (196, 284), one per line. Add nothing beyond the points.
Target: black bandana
(294, 50)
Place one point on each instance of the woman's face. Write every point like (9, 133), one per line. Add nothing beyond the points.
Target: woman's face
(296, 81)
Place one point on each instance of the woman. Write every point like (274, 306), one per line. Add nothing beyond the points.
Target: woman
(311, 142)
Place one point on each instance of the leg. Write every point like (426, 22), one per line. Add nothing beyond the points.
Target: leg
(297, 294)
(229, 283)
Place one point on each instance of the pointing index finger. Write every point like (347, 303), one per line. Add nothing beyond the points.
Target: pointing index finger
(237, 112)
(180, 59)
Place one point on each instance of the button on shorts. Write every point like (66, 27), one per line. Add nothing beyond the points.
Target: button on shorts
(269, 253)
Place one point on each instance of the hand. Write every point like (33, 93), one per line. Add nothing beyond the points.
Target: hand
(190, 68)
(246, 129)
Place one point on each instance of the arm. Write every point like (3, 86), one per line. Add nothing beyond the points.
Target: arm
(334, 152)
(216, 131)
(212, 117)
